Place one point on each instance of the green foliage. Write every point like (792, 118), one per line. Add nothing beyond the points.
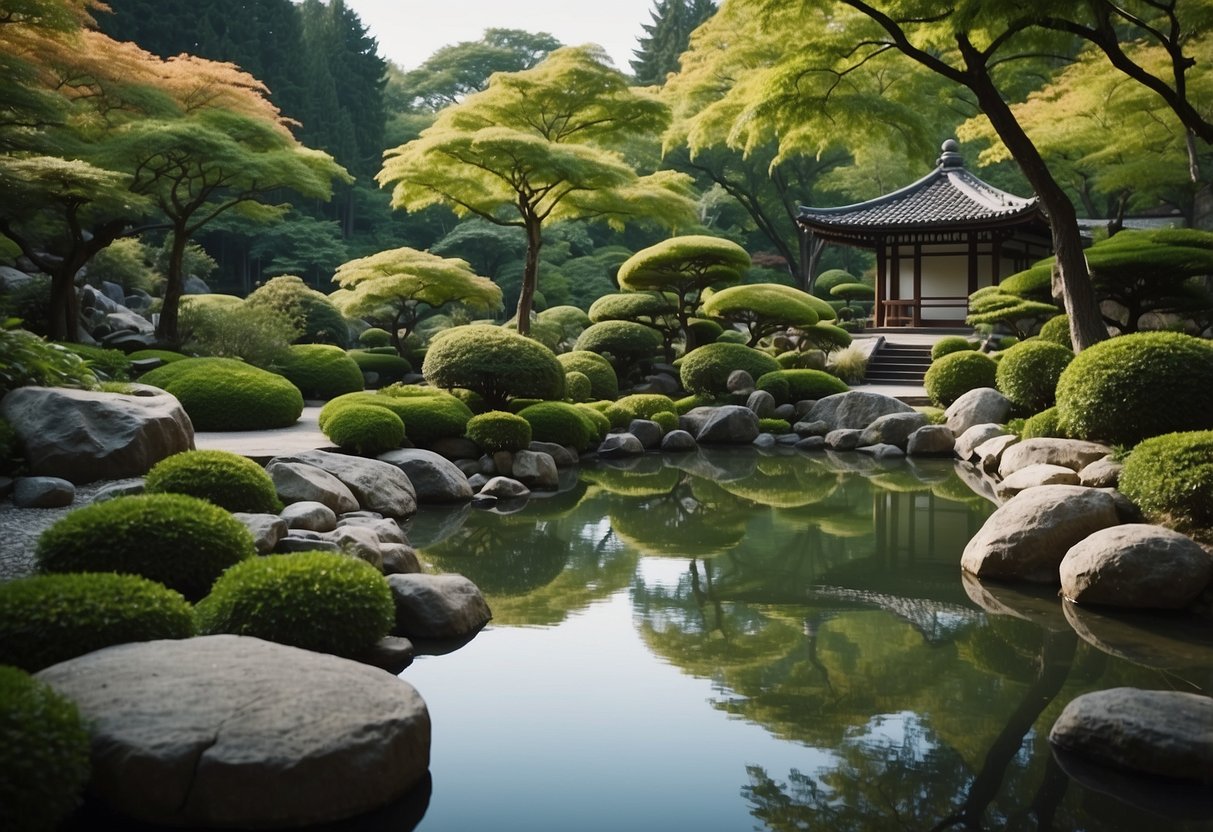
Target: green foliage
(365, 428)
(44, 754)
(850, 364)
(689, 403)
(390, 368)
(644, 405)
(604, 385)
(562, 423)
(600, 422)
(731, 336)
(955, 374)
(127, 262)
(1027, 373)
(706, 369)
(686, 266)
(47, 619)
(428, 414)
(225, 394)
(375, 337)
(105, 363)
(1170, 478)
(182, 542)
(10, 448)
(495, 363)
(29, 303)
(951, 344)
(825, 336)
(317, 318)
(1057, 330)
(668, 420)
(26, 359)
(320, 371)
(1043, 424)
(228, 480)
(807, 360)
(704, 331)
(823, 287)
(799, 385)
(774, 425)
(577, 387)
(993, 305)
(766, 308)
(258, 334)
(935, 415)
(570, 319)
(666, 38)
(497, 430)
(851, 292)
(320, 601)
(167, 356)
(1132, 387)
(625, 343)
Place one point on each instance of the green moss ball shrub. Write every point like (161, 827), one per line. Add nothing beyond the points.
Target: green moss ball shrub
(318, 318)
(1027, 373)
(704, 331)
(1132, 387)
(1057, 330)
(320, 371)
(774, 425)
(604, 384)
(626, 342)
(428, 414)
(800, 385)
(375, 337)
(222, 394)
(953, 375)
(389, 367)
(731, 336)
(183, 542)
(365, 429)
(644, 405)
(950, 344)
(44, 754)
(47, 619)
(688, 403)
(617, 417)
(1043, 424)
(320, 601)
(706, 369)
(1170, 478)
(498, 430)
(601, 423)
(228, 480)
(560, 422)
(668, 420)
(167, 356)
(497, 363)
(577, 386)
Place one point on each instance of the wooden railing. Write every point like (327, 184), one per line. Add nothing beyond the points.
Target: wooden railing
(908, 312)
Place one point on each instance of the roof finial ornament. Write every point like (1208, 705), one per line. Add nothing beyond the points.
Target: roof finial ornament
(949, 156)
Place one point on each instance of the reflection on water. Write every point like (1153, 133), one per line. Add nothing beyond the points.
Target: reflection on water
(787, 642)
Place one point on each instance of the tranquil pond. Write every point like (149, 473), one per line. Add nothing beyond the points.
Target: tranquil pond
(735, 641)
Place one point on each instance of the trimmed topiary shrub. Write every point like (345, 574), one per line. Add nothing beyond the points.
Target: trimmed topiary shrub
(47, 619)
(226, 394)
(389, 367)
(319, 320)
(428, 414)
(704, 331)
(375, 337)
(181, 541)
(604, 384)
(616, 416)
(601, 423)
(320, 371)
(668, 420)
(799, 385)
(731, 336)
(577, 386)
(106, 363)
(706, 369)
(823, 286)
(950, 344)
(228, 480)
(1057, 330)
(953, 375)
(44, 754)
(318, 601)
(499, 364)
(626, 342)
(364, 428)
(797, 360)
(497, 430)
(1043, 424)
(1027, 373)
(1170, 478)
(560, 422)
(644, 405)
(1136, 386)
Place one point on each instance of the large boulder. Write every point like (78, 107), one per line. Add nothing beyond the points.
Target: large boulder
(378, 486)
(297, 482)
(43, 492)
(1068, 453)
(232, 731)
(437, 606)
(535, 470)
(620, 445)
(931, 440)
(1035, 476)
(730, 425)
(977, 407)
(968, 442)
(435, 478)
(1158, 732)
(892, 429)
(854, 409)
(1027, 537)
(84, 436)
(1136, 565)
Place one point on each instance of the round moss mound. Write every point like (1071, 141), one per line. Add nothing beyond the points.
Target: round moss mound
(1027, 373)
(318, 601)
(604, 384)
(167, 356)
(1043, 424)
(600, 422)
(950, 344)
(644, 405)
(776, 426)
(497, 363)
(181, 541)
(1057, 330)
(800, 385)
(953, 375)
(1136, 386)
(375, 337)
(320, 371)
(497, 430)
(668, 420)
(366, 429)
(627, 342)
(428, 414)
(44, 754)
(577, 386)
(706, 369)
(47, 619)
(226, 394)
(228, 480)
(319, 318)
(1170, 478)
(560, 422)
(388, 367)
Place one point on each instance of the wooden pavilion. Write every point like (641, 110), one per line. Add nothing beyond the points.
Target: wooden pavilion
(937, 241)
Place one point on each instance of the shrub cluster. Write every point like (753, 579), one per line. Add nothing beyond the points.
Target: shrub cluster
(428, 414)
(319, 320)
(1043, 424)
(318, 601)
(706, 369)
(950, 344)
(47, 619)
(496, 363)
(389, 367)
(26, 359)
(562, 423)
(226, 394)
(604, 384)
(105, 363)
(228, 480)
(1027, 373)
(497, 430)
(366, 429)
(1170, 478)
(320, 371)
(626, 342)
(644, 405)
(799, 385)
(953, 375)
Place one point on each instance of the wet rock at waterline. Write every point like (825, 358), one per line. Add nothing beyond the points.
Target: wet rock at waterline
(678, 442)
(983, 405)
(1068, 453)
(232, 731)
(437, 606)
(729, 425)
(620, 445)
(1136, 565)
(435, 478)
(892, 429)
(504, 488)
(931, 440)
(377, 486)
(968, 442)
(536, 470)
(647, 431)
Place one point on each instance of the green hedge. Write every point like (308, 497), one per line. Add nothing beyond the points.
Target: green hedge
(1170, 478)
(320, 371)
(497, 430)
(562, 423)
(706, 369)
(1027, 373)
(604, 384)
(799, 385)
(228, 480)
(1057, 330)
(47, 619)
(225, 394)
(955, 374)
(366, 429)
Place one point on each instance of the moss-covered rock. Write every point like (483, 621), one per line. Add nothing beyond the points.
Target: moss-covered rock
(320, 371)
(228, 480)
(706, 369)
(1170, 478)
(365, 429)
(798, 385)
(562, 423)
(644, 405)
(498, 430)
(604, 384)
(1027, 373)
(953, 375)
(225, 394)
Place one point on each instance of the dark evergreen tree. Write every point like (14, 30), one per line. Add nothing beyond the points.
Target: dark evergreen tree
(667, 37)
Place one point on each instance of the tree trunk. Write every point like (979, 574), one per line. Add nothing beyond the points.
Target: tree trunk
(174, 288)
(530, 276)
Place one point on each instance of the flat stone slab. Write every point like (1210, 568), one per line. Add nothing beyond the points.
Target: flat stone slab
(232, 731)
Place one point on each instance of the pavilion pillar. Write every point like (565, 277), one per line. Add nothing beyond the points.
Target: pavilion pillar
(916, 318)
(882, 285)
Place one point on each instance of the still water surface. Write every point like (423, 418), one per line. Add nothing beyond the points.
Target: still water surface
(736, 641)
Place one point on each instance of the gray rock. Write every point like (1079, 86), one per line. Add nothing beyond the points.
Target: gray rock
(231, 731)
(468, 466)
(973, 438)
(1034, 476)
(503, 463)
(297, 482)
(1136, 565)
(817, 428)
(1027, 537)
(882, 450)
(730, 424)
(787, 412)
(788, 439)
(931, 440)
(663, 384)
(6, 487)
(120, 489)
(1102, 473)
(435, 478)
(43, 492)
(536, 471)
(678, 441)
(399, 559)
(1164, 733)
(310, 515)
(1069, 453)
(267, 529)
(765, 440)
(892, 429)
(384, 528)
(358, 542)
(504, 488)
(377, 486)
(977, 407)
(855, 409)
(811, 443)
(989, 453)
(124, 319)
(11, 278)
(562, 456)
(647, 431)
(619, 445)
(762, 403)
(196, 286)
(843, 439)
(739, 381)
(437, 606)
(294, 542)
(114, 292)
(84, 436)
(476, 482)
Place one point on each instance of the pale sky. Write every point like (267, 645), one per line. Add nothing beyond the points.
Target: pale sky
(409, 31)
